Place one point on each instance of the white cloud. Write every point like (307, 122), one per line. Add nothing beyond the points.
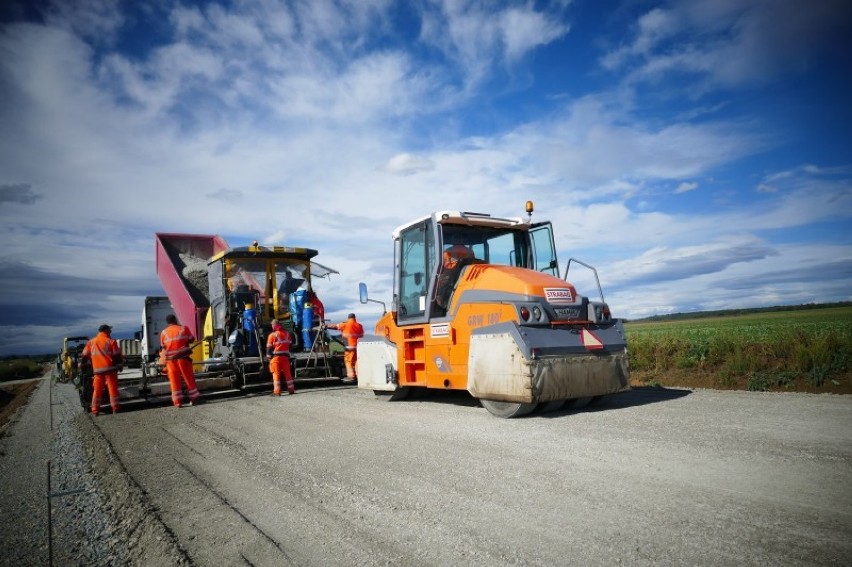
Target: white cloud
(798, 274)
(97, 20)
(525, 29)
(407, 164)
(335, 133)
(732, 42)
(478, 35)
(686, 187)
(593, 142)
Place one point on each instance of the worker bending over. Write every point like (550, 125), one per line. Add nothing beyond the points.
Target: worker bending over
(278, 350)
(351, 330)
(176, 341)
(107, 361)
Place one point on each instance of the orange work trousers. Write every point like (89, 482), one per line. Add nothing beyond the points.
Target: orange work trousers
(111, 380)
(278, 365)
(350, 357)
(177, 369)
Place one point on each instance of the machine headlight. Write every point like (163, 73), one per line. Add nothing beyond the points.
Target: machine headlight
(537, 313)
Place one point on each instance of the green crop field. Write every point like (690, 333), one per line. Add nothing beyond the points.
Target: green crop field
(801, 349)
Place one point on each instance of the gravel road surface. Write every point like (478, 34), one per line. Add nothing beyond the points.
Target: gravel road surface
(336, 476)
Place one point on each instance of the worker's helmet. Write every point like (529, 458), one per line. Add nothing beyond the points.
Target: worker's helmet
(249, 306)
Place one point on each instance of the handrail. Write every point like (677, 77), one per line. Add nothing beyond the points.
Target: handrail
(597, 280)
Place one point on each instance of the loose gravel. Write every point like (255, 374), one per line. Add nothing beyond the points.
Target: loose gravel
(194, 272)
(95, 515)
(338, 476)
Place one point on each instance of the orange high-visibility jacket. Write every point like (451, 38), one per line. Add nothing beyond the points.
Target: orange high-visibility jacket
(278, 343)
(105, 354)
(352, 330)
(175, 340)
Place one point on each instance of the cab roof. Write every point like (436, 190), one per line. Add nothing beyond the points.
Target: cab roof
(469, 219)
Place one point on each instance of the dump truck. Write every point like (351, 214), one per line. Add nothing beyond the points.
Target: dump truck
(498, 322)
(131, 350)
(154, 312)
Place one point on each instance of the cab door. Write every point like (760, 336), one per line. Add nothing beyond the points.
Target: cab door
(543, 248)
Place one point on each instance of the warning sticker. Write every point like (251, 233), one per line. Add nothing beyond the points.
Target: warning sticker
(441, 330)
(591, 340)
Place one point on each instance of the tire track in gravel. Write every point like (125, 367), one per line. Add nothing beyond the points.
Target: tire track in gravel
(237, 511)
(318, 502)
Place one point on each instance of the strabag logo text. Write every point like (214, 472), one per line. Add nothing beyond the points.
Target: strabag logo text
(558, 295)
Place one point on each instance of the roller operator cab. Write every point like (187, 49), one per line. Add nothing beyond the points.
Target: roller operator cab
(478, 305)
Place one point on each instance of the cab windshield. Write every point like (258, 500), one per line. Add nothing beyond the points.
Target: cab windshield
(488, 244)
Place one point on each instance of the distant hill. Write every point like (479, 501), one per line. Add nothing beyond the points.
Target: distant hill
(734, 312)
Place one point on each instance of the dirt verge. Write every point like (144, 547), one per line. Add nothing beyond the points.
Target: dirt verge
(13, 397)
(694, 379)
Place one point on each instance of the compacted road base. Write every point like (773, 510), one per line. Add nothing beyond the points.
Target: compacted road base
(338, 476)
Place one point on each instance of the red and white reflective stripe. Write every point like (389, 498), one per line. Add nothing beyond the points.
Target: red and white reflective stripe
(183, 338)
(590, 340)
(179, 353)
(184, 334)
(98, 349)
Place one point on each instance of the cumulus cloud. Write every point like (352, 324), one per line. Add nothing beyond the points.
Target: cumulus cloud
(407, 164)
(732, 42)
(21, 193)
(226, 195)
(97, 20)
(671, 264)
(201, 131)
(523, 29)
(479, 35)
(593, 141)
(685, 187)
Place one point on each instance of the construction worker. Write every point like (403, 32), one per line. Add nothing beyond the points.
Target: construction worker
(278, 350)
(351, 330)
(107, 361)
(176, 341)
(452, 259)
(456, 253)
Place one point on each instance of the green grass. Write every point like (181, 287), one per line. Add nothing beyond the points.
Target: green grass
(768, 349)
(19, 369)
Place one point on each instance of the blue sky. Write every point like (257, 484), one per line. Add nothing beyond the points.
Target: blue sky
(697, 153)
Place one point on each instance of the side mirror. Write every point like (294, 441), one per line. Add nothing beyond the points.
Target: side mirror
(362, 291)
